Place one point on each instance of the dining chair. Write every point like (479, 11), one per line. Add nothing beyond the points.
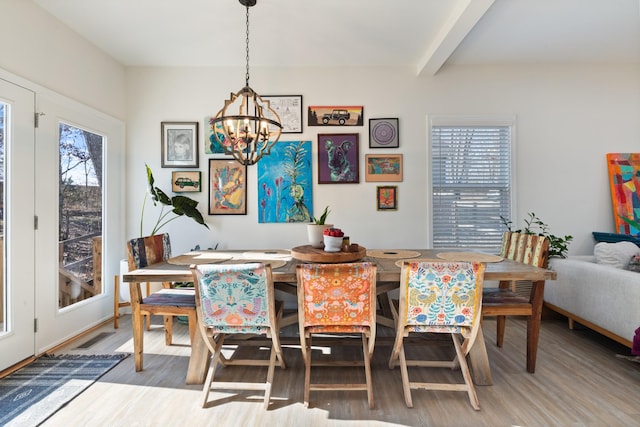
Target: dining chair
(237, 299)
(508, 300)
(438, 297)
(167, 302)
(337, 299)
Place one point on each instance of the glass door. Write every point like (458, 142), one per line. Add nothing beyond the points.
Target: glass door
(17, 229)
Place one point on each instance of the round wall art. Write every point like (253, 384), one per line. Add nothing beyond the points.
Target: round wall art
(383, 133)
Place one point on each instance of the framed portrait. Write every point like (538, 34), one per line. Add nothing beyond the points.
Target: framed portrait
(387, 197)
(338, 158)
(383, 133)
(342, 115)
(289, 108)
(383, 167)
(179, 144)
(186, 181)
(227, 187)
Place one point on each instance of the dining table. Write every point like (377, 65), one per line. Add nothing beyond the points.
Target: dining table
(388, 261)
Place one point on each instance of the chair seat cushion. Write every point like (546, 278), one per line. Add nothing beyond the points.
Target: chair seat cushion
(502, 296)
(172, 297)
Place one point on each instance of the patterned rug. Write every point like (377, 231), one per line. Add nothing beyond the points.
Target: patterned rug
(32, 394)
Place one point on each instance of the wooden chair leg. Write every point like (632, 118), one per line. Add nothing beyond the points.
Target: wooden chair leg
(138, 337)
(168, 329)
(404, 372)
(367, 370)
(501, 322)
(116, 302)
(307, 371)
(466, 374)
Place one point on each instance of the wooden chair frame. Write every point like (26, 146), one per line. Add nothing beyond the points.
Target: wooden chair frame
(167, 302)
(215, 340)
(307, 325)
(462, 341)
(529, 249)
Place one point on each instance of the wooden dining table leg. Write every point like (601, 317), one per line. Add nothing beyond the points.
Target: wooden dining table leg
(479, 361)
(137, 325)
(199, 361)
(533, 325)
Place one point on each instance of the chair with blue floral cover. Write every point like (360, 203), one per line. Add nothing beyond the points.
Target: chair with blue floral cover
(438, 297)
(337, 299)
(237, 299)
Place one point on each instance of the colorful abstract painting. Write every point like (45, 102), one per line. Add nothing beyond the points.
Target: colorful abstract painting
(285, 186)
(624, 179)
(211, 143)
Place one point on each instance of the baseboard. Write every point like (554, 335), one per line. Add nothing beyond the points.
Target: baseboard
(592, 326)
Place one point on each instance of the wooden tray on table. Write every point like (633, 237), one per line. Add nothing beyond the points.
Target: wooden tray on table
(310, 254)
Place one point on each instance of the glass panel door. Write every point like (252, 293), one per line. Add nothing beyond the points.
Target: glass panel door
(17, 234)
(80, 213)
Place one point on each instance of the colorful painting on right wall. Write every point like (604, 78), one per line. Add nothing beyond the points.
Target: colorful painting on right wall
(624, 180)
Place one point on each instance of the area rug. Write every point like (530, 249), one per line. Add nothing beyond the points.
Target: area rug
(32, 394)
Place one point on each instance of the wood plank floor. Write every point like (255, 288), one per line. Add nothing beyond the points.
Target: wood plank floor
(579, 381)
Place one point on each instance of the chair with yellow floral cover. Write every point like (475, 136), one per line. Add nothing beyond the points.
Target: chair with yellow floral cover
(237, 299)
(337, 299)
(438, 297)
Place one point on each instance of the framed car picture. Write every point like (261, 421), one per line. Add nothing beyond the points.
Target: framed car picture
(186, 181)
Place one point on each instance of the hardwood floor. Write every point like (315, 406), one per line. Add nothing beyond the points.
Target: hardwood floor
(579, 381)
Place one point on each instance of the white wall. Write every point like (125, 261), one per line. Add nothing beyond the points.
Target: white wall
(36, 46)
(568, 117)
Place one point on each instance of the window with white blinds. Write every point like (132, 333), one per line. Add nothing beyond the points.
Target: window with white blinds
(471, 185)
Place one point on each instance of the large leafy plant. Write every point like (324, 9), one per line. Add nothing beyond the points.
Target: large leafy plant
(180, 205)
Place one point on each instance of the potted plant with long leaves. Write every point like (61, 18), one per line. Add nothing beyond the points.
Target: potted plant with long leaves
(179, 206)
(316, 227)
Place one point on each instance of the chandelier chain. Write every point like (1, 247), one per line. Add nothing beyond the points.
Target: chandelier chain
(247, 44)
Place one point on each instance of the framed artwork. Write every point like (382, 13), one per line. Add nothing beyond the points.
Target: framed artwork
(383, 167)
(289, 108)
(334, 116)
(285, 183)
(384, 133)
(227, 187)
(624, 180)
(338, 158)
(186, 181)
(387, 197)
(211, 144)
(179, 144)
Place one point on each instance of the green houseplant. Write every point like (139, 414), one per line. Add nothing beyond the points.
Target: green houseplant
(558, 245)
(180, 205)
(322, 218)
(316, 227)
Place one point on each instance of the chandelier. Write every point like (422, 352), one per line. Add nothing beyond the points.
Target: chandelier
(246, 127)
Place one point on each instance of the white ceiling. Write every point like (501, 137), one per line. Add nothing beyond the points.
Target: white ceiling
(298, 33)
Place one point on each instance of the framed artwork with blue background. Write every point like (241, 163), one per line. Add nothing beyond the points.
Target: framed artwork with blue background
(285, 183)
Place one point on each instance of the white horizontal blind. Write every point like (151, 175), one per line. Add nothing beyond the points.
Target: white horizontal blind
(471, 183)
